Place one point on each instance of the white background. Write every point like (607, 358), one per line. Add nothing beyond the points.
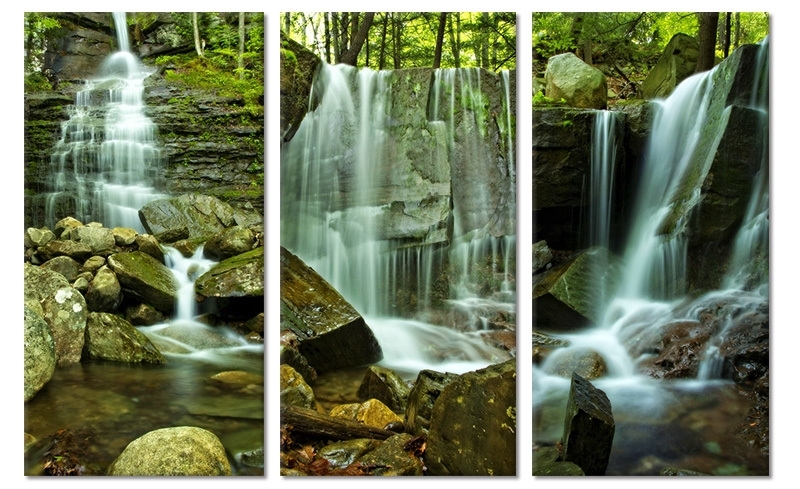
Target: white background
(783, 216)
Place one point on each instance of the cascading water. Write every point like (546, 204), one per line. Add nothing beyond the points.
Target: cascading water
(651, 309)
(352, 208)
(108, 157)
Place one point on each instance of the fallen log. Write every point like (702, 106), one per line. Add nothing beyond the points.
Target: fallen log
(310, 422)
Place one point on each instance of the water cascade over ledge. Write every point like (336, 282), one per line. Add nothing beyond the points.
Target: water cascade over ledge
(393, 192)
(104, 166)
(661, 332)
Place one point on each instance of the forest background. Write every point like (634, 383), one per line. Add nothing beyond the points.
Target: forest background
(783, 18)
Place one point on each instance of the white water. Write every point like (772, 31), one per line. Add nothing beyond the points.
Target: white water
(337, 188)
(104, 164)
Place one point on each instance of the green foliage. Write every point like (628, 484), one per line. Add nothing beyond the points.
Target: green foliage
(540, 99)
(36, 82)
(408, 39)
(38, 28)
(218, 70)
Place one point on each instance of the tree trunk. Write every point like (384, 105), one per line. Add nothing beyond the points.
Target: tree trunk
(241, 46)
(707, 37)
(384, 29)
(437, 53)
(726, 39)
(199, 44)
(455, 38)
(357, 42)
(310, 422)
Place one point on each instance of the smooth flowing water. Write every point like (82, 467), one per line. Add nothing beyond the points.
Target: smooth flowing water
(687, 423)
(105, 165)
(104, 168)
(341, 184)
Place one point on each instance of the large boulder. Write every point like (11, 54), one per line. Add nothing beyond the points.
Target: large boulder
(110, 337)
(236, 283)
(62, 307)
(186, 216)
(146, 279)
(40, 353)
(677, 62)
(180, 450)
(473, 424)
(579, 84)
(330, 333)
(104, 293)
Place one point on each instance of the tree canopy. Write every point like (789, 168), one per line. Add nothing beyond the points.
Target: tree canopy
(634, 40)
(392, 40)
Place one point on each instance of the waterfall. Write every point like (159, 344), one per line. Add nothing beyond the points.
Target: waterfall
(662, 321)
(105, 163)
(377, 218)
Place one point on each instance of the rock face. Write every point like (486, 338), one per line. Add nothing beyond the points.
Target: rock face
(298, 67)
(330, 332)
(677, 62)
(588, 427)
(473, 424)
(581, 85)
(181, 450)
(419, 407)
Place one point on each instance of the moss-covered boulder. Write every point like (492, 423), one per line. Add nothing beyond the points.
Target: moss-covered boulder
(110, 337)
(146, 279)
(236, 283)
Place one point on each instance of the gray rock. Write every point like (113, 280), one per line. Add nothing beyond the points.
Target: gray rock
(386, 386)
(104, 293)
(330, 332)
(40, 354)
(62, 307)
(181, 450)
(580, 84)
(110, 337)
(146, 279)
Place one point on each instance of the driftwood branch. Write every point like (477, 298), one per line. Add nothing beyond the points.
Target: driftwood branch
(310, 422)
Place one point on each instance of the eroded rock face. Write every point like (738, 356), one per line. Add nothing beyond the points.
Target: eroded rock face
(473, 424)
(181, 450)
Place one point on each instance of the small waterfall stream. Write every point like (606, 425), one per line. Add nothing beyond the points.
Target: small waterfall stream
(346, 199)
(652, 302)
